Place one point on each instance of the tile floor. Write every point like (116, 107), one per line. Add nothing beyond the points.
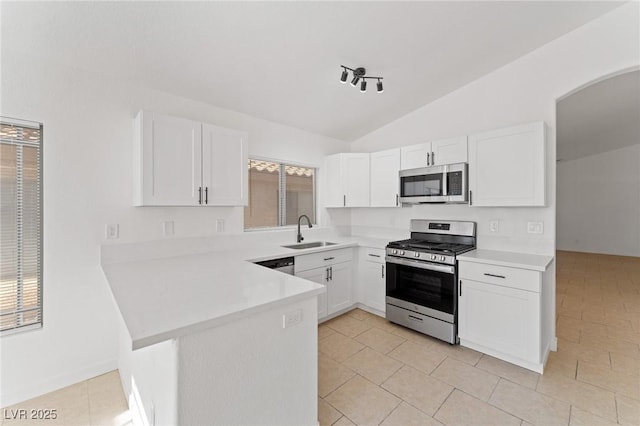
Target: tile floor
(373, 372)
(97, 401)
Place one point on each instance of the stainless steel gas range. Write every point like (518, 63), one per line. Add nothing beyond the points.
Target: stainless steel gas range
(422, 276)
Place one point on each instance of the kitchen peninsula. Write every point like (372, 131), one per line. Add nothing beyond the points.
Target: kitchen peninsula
(207, 337)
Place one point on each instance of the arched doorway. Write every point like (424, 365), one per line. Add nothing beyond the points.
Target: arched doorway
(598, 167)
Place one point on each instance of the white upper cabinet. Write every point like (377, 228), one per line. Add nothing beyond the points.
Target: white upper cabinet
(414, 156)
(385, 181)
(435, 153)
(449, 151)
(507, 166)
(347, 180)
(224, 166)
(168, 159)
(181, 162)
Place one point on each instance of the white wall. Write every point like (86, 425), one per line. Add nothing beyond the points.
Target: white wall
(88, 136)
(522, 91)
(599, 203)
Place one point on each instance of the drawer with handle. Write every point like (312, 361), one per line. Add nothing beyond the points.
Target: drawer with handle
(523, 279)
(370, 254)
(320, 259)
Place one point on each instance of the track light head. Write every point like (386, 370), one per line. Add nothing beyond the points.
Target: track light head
(363, 86)
(380, 89)
(344, 76)
(358, 73)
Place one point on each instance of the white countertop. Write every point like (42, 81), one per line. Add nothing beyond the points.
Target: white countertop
(168, 297)
(533, 262)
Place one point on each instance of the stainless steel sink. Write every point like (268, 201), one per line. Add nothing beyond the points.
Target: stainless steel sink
(313, 244)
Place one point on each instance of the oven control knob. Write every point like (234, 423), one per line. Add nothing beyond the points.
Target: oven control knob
(416, 254)
(395, 251)
(402, 252)
(433, 257)
(442, 258)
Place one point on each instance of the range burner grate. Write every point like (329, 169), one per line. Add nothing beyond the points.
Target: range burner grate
(423, 245)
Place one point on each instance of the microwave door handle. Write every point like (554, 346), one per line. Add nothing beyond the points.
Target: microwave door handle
(445, 184)
(420, 265)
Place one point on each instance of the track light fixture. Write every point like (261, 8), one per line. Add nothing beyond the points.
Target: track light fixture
(359, 74)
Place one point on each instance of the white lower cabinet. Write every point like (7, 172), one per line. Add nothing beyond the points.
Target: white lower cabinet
(333, 269)
(319, 276)
(339, 287)
(372, 278)
(504, 319)
(500, 313)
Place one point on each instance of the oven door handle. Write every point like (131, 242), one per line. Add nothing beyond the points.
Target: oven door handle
(421, 265)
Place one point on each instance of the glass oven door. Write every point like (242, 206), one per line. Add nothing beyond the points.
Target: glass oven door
(432, 286)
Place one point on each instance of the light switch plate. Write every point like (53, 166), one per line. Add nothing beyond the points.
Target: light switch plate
(219, 225)
(494, 226)
(292, 318)
(167, 228)
(535, 227)
(111, 231)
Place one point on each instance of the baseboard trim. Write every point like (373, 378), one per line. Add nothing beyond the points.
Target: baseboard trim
(370, 310)
(57, 382)
(350, 308)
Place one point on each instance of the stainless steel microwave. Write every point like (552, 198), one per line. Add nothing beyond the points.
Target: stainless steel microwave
(436, 184)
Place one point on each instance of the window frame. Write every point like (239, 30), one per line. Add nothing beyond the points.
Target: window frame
(40, 200)
(282, 194)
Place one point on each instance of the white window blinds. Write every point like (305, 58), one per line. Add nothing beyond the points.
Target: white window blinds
(20, 225)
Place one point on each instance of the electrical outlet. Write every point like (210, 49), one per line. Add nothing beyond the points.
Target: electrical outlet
(111, 231)
(167, 228)
(535, 227)
(219, 225)
(494, 226)
(292, 318)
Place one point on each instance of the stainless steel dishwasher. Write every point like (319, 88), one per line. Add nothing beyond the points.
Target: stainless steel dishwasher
(285, 264)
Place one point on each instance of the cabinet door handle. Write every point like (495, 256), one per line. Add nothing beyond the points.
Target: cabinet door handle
(206, 195)
(470, 197)
(382, 270)
(344, 201)
(494, 275)
(428, 154)
(397, 199)
(374, 255)
(327, 277)
(200, 195)
(433, 158)
(331, 273)
(328, 258)
(460, 287)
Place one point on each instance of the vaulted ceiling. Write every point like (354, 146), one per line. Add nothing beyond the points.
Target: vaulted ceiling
(280, 61)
